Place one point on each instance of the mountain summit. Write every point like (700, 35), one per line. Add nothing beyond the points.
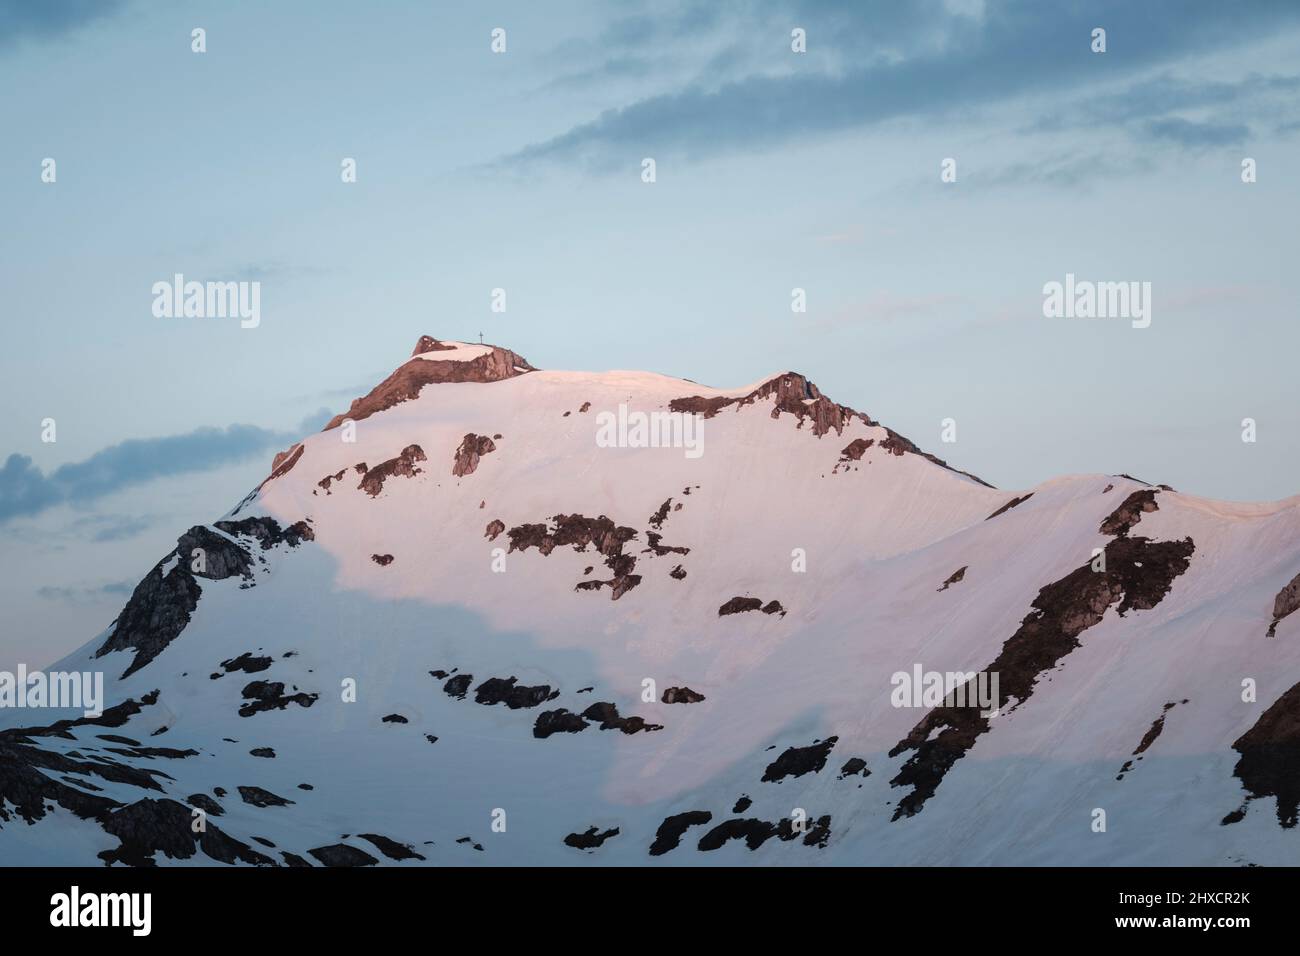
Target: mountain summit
(497, 614)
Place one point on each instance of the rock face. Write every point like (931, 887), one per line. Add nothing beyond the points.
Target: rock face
(405, 383)
(472, 448)
(372, 482)
(1286, 602)
(1138, 574)
(1270, 758)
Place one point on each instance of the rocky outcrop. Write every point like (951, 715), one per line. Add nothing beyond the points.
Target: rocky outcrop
(1270, 759)
(606, 714)
(267, 531)
(578, 531)
(589, 840)
(1286, 603)
(1122, 519)
(681, 695)
(494, 528)
(1153, 732)
(340, 854)
(1139, 573)
(407, 381)
(391, 848)
(738, 605)
(670, 832)
(953, 578)
(1009, 505)
(559, 721)
(498, 690)
(261, 695)
(158, 610)
(372, 482)
(797, 761)
(257, 797)
(472, 448)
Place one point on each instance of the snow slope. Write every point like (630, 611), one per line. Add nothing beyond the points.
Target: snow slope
(457, 564)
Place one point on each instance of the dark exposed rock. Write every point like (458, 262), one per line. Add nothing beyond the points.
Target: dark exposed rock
(391, 848)
(247, 663)
(589, 840)
(742, 804)
(267, 752)
(669, 834)
(267, 531)
(819, 833)
(558, 721)
(1270, 759)
(205, 803)
(150, 826)
(659, 549)
(494, 528)
(738, 605)
(496, 690)
(578, 531)
(407, 381)
(1286, 602)
(265, 842)
(608, 716)
(169, 753)
(458, 686)
(1148, 738)
(472, 448)
(372, 482)
(1009, 505)
(1139, 573)
(293, 859)
(1122, 519)
(118, 739)
(681, 695)
(340, 854)
(395, 719)
(158, 610)
(257, 797)
(221, 557)
(283, 463)
(753, 831)
(953, 578)
(797, 761)
(431, 738)
(657, 519)
(383, 560)
(677, 573)
(328, 480)
(854, 766)
(773, 607)
(791, 393)
(269, 695)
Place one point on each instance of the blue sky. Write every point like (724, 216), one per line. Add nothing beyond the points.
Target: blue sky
(521, 170)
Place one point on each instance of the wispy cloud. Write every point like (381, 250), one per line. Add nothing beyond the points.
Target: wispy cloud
(26, 490)
(49, 19)
(86, 594)
(926, 60)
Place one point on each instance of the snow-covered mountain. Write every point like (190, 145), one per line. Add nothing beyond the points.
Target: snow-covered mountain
(481, 618)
